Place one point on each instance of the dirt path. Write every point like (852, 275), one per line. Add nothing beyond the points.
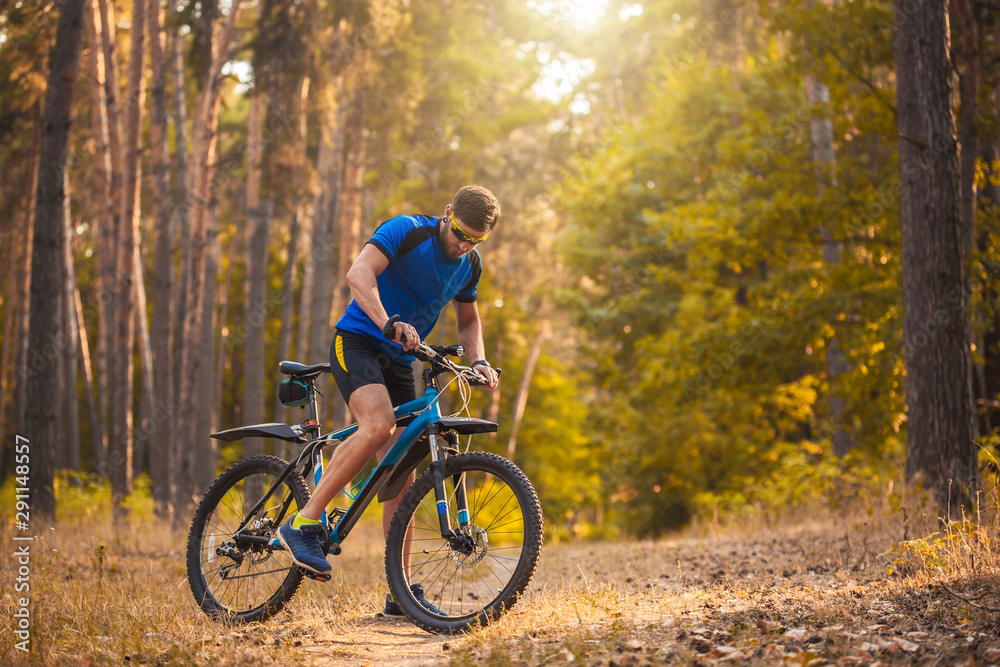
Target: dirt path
(378, 641)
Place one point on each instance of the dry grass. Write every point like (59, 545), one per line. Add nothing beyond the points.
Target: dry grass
(830, 589)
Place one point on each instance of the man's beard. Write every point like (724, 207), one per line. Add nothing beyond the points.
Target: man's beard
(446, 245)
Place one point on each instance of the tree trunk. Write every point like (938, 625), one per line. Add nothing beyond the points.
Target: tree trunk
(83, 349)
(349, 213)
(161, 441)
(8, 342)
(107, 225)
(324, 233)
(206, 392)
(255, 288)
(71, 400)
(318, 250)
(24, 286)
(59, 392)
(351, 207)
(110, 283)
(969, 109)
(21, 264)
(522, 392)
(969, 152)
(147, 377)
(181, 217)
(121, 451)
(821, 134)
(288, 281)
(939, 442)
(987, 202)
(192, 361)
(224, 357)
(41, 411)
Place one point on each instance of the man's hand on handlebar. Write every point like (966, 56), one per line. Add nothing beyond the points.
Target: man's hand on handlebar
(490, 375)
(404, 333)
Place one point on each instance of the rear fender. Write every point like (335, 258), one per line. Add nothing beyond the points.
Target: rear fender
(280, 431)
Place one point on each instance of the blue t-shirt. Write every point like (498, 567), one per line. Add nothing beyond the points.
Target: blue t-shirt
(418, 282)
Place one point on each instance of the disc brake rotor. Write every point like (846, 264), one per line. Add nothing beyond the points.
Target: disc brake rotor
(479, 543)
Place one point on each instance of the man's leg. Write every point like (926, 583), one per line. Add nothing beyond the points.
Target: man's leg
(304, 542)
(371, 406)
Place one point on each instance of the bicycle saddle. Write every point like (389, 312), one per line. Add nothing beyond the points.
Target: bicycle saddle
(295, 369)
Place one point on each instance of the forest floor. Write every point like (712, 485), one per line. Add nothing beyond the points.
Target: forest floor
(823, 591)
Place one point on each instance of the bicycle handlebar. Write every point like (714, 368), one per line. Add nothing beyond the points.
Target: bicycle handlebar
(435, 354)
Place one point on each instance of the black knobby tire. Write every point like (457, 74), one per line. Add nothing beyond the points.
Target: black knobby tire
(260, 580)
(476, 584)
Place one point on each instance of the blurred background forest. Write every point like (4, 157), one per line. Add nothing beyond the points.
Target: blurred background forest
(695, 291)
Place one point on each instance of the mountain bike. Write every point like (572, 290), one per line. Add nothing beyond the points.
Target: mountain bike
(469, 529)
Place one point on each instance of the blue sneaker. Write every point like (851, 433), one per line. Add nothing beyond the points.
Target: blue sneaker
(305, 545)
(392, 609)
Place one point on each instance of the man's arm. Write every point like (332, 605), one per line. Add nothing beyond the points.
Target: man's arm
(470, 335)
(364, 288)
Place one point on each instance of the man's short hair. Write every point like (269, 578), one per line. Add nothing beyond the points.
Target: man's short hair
(477, 207)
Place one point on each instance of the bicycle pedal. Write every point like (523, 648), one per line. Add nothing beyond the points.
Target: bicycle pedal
(316, 576)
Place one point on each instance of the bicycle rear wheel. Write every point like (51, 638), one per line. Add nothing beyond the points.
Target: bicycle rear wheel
(233, 579)
(476, 578)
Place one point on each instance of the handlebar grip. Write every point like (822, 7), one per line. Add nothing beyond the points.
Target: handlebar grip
(389, 329)
(480, 383)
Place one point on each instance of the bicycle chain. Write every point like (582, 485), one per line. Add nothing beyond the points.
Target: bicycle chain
(255, 574)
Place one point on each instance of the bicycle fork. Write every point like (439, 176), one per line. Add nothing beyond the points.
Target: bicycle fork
(460, 540)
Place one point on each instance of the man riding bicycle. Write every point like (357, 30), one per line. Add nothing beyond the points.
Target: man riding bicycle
(412, 266)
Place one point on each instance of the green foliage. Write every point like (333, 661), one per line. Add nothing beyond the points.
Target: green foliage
(734, 261)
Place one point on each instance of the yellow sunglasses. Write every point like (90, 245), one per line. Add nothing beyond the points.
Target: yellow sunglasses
(464, 236)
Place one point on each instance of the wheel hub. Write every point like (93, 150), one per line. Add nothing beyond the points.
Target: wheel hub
(472, 547)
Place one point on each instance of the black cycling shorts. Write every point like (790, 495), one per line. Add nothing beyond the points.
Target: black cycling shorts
(356, 361)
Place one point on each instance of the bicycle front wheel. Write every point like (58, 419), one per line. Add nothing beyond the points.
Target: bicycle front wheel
(478, 575)
(238, 579)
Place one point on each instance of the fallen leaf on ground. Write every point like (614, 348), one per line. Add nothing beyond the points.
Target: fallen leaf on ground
(798, 634)
(767, 626)
(565, 654)
(907, 646)
(891, 647)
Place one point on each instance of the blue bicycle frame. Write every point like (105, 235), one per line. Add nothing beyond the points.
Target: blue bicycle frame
(401, 459)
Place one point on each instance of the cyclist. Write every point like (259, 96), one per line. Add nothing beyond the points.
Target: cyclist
(412, 266)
